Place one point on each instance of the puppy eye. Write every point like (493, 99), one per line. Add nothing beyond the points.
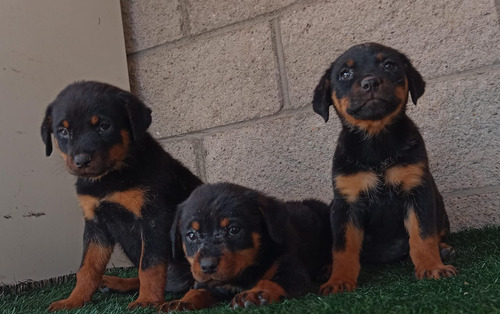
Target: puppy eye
(191, 236)
(234, 230)
(104, 126)
(346, 74)
(63, 132)
(389, 66)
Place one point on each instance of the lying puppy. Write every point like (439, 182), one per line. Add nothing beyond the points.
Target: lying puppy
(249, 247)
(127, 186)
(386, 203)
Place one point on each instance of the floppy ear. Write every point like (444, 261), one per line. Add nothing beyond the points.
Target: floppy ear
(47, 130)
(323, 95)
(175, 237)
(416, 83)
(275, 217)
(138, 114)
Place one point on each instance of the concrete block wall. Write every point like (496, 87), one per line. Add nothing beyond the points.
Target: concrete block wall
(230, 84)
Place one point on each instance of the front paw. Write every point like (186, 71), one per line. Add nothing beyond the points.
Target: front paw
(439, 271)
(66, 304)
(337, 286)
(251, 298)
(144, 304)
(177, 305)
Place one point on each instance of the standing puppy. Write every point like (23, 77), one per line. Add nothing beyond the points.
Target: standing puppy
(386, 203)
(127, 185)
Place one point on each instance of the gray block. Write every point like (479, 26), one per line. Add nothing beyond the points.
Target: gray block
(210, 14)
(473, 211)
(441, 37)
(288, 157)
(150, 23)
(459, 118)
(209, 82)
(183, 151)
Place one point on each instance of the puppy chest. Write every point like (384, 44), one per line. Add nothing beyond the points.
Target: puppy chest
(388, 182)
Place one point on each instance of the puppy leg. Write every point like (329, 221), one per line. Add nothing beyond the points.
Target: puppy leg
(120, 284)
(194, 299)
(346, 265)
(94, 263)
(152, 271)
(97, 249)
(425, 250)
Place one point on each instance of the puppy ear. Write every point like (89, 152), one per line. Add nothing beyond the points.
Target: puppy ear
(46, 130)
(275, 216)
(138, 114)
(323, 95)
(175, 237)
(416, 83)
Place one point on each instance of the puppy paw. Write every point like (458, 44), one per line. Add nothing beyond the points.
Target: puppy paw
(177, 305)
(336, 286)
(446, 252)
(257, 297)
(144, 304)
(66, 304)
(439, 271)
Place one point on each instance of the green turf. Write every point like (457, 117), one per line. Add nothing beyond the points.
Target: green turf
(382, 289)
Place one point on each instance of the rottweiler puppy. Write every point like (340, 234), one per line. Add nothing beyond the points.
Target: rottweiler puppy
(248, 247)
(386, 203)
(128, 188)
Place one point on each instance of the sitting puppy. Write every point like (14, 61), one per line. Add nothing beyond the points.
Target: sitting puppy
(386, 203)
(249, 247)
(127, 186)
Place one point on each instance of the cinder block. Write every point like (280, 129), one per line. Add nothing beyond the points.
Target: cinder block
(288, 157)
(210, 82)
(441, 37)
(460, 120)
(150, 23)
(184, 151)
(210, 14)
(473, 211)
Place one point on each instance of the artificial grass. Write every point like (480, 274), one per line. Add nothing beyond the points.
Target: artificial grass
(381, 288)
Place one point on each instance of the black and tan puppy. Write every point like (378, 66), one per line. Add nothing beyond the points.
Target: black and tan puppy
(386, 203)
(127, 186)
(248, 247)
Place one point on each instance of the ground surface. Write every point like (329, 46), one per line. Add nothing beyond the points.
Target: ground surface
(382, 289)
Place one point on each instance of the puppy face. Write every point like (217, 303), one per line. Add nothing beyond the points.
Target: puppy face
(368, 84)
(223, 229)
(94, 125)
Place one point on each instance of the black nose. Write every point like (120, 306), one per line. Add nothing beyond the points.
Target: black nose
(82, 160)
(370, 83)
(209, 264)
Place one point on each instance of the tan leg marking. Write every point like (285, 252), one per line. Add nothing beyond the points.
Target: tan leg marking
(424, 252)
(346, 265)
(194, 299)
(88, 277)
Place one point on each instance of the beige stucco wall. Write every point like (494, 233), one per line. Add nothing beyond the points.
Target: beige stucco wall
(230, 84)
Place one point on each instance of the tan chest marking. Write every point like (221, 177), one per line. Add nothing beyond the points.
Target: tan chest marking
(350, 186)
(88, 204)
(132, 200)
(409, 176)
